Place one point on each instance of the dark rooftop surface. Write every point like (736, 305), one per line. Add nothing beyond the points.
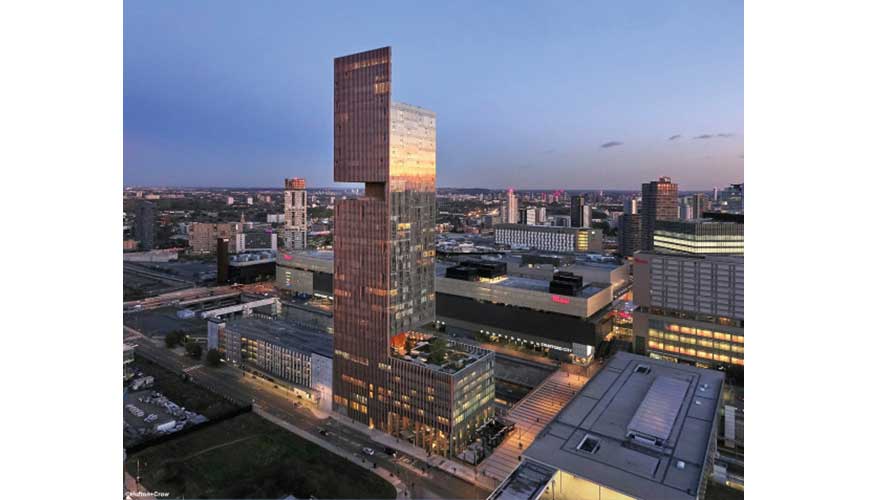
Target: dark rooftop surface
(286, 334)
(651, 421)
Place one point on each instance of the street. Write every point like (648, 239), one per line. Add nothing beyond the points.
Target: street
(279, 402)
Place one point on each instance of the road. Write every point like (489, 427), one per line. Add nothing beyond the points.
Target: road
(278, 401)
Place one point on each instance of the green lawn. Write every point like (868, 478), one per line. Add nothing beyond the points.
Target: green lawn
(260, 460)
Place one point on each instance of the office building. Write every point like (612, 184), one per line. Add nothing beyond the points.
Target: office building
(701, 236)
(528, 216)
(202, 236)
(629, 235)
(295, 219)
(690, 308)
(562, 220)
(276, 218)
(549, 238)
(659, 200)
(229, 200)
(300, 356)
(256, 239)
(697, 204)
(144, 225)
(640, 429)
(731, 199)
(386, 374)
(306, 272)
(630, 206)
(509, 208)
(581, 213)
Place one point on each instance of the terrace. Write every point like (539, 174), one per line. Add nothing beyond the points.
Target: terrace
(434, 352)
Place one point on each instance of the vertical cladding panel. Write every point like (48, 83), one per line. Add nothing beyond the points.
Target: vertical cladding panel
(362, 84)
(361, 303)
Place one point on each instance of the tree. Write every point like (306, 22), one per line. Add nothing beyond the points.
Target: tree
(194, 349)
(437, 351)
(213, 357)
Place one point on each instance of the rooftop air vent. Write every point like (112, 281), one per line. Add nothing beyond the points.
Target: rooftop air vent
(642, 369)
(589, 444)
(681, 464)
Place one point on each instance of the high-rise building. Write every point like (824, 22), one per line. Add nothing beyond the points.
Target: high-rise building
(659, 200)
(690, 308)
(629, 235)
(510, 207)
(202, 236)
(697, 202)
(387, 375)
(229, 200)
(708, 236)
(731, 199)
(144, 224)
(581, 213)
(295, 234)
(528, 216)
(630, 206)
(541, 215)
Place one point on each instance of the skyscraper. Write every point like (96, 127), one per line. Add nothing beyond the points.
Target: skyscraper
(384, 272)
(629, 235)
(144, 224)
(296, 214)
(511, 215)
(659, 201)
(581, 213)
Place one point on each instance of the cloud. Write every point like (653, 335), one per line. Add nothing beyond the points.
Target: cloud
(611, 144)
(725, 134)
(703, 136)
(722, 135)
(676, 136)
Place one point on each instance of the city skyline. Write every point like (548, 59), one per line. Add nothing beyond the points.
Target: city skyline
(230, 99)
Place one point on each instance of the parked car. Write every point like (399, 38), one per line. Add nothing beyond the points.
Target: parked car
(367, 451)
(391, 452)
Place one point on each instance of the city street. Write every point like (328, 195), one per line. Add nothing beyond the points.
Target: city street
(279, 402)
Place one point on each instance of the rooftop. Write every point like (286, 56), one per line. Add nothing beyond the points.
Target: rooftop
(523, 283)
(285, 334)
(641, 427)
(458, 355)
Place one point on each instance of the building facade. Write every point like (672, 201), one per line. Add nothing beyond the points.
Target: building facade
(549, 238)
(581, 213)
(144, 225)
(384, 268)
(295, 219)
(629, 235)
(202, 236)
(659, 200)
(699, 237)
(296, 355)
(690, 308)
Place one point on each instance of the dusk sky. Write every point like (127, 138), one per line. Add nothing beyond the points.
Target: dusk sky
(530, 95)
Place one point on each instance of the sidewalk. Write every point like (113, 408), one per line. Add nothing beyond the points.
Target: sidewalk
(462, 471)
(400, 487)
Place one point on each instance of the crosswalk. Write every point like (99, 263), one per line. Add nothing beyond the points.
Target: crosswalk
(530, 415)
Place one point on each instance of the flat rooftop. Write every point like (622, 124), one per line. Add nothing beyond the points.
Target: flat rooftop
(285, 334)
(641, 427)
(458, 355)
(523, 283)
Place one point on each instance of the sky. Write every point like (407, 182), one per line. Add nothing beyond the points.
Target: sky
(529, 95)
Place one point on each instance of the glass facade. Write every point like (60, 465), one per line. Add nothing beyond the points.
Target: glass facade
(385, 256)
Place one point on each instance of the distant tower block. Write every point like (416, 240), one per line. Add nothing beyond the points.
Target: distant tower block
(295, 233)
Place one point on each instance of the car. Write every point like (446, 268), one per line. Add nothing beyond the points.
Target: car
(390, 452)
(367, 451)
